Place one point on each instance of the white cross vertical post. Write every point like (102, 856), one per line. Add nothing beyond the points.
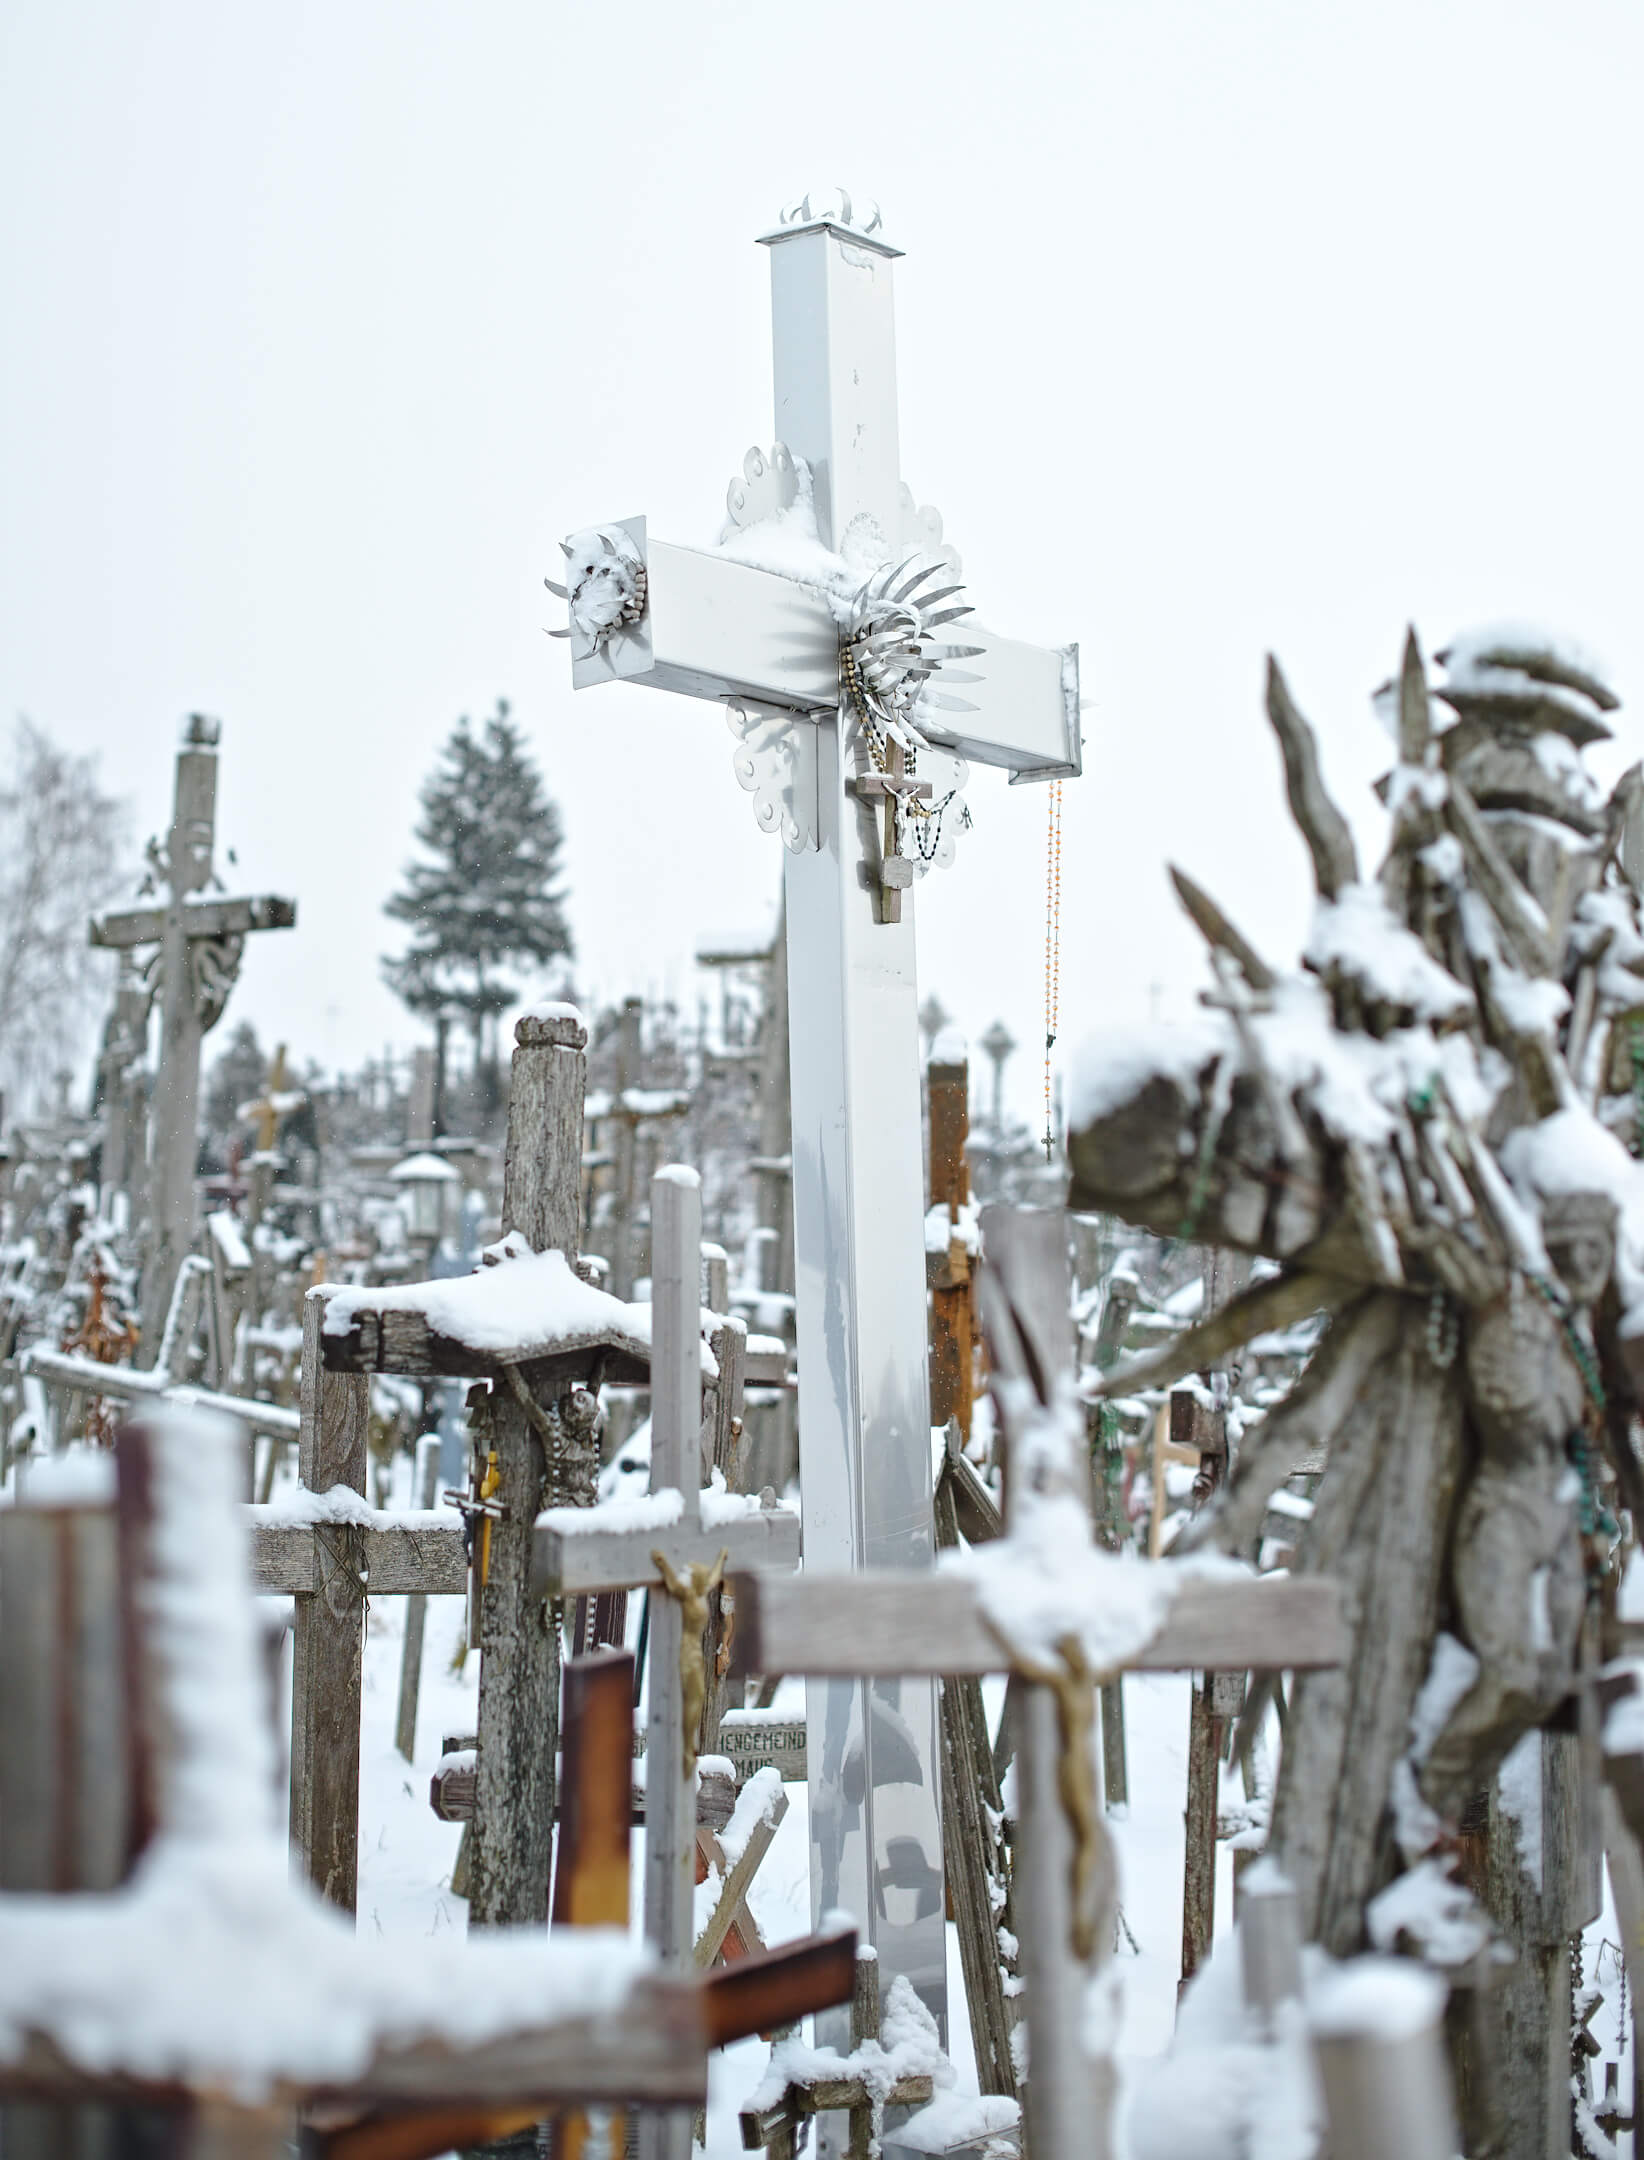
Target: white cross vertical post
(676, 1424)
(774, 642)
(858, 1164)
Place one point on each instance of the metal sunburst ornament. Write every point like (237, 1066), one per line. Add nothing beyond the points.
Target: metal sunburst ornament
(890, 653)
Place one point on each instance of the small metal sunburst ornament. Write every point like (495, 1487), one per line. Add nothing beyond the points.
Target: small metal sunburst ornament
(890, 653)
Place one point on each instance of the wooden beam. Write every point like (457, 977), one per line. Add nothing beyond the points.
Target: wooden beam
(652, 2050)
(776, 1987)
(410, 1558)
(392, 1341)
(62, 1368)
(867, 1624)
(232, 917)
(577, 1562)
(329, 1637)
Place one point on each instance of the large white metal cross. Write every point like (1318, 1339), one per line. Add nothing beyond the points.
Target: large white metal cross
(759, 623)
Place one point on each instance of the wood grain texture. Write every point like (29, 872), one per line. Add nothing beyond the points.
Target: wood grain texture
(398, 1562)
(329, 1634)
(425, 1481)
(512, 1833)
(593, 1560)
(886, 1625)
(391, 1341)
(976, 1854)
(1381, 1523)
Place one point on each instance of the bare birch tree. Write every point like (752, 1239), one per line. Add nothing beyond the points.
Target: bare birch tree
(62, 846)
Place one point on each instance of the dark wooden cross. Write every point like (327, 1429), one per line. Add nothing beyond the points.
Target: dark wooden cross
(200, 945)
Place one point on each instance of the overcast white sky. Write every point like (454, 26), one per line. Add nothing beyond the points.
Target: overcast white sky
(1222, 327)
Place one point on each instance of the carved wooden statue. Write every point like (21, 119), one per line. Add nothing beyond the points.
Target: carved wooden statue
(1428, 1127)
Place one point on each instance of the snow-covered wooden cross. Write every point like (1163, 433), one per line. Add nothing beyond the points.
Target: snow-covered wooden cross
(201, 943)
(1046, 1603)
(678, 1548)
(811, 624)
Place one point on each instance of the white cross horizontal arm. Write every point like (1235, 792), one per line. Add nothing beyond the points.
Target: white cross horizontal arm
(234, 916)
(885, 1624)
(713, 628)
(572, 1558)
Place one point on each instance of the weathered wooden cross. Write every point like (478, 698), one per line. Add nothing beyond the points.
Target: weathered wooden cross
(815, 751)
(201, 943)
(1043, 1603)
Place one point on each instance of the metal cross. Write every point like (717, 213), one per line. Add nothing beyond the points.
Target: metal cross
(771, 645)
(200, 944)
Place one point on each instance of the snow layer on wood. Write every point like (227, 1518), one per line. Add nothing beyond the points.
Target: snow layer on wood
(424, 1170)
(80, 1477)
(950, 1047)
(788, 545)
(1624, 1720)
(213, 1966)
(343, 1505)
(1380, 1998)
(625, 1511)
(226, 1236)
(1426, 1908)
(1526, 645)
(940, 1232)
(955, 2122)
(761, 1800)
(908, 2046)
(1111, 1065)
(1571, 1152)
(531, 1301)
(1047, 1579)
(217, 1969)
(1358, 936)
(554, 1009)
(1225, 2091)
(1518, 1788)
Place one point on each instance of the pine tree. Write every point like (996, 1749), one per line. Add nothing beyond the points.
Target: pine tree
(486, 895)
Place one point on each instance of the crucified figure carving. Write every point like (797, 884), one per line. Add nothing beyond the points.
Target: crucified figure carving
(1428, 1127)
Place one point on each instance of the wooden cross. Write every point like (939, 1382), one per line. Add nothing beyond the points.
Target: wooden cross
(679, 1558)
(200, 945)
(142, 1731)
(769, 646)
(887, 1624)
(120, 1099)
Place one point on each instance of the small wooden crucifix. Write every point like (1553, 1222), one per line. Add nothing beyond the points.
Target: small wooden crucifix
(201, 943)
(1030, 1604)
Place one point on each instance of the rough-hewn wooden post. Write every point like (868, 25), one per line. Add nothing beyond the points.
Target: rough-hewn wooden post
(729, 1344)
(952, 1324)
(670, 1751)
(519, 1635)
(1529, 1861)
(328, 1641)
(425, 1478)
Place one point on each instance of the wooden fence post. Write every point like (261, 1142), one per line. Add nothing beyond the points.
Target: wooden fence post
(328, 1640)
(519, 1635)
(953, 1320)
(425, 1477)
